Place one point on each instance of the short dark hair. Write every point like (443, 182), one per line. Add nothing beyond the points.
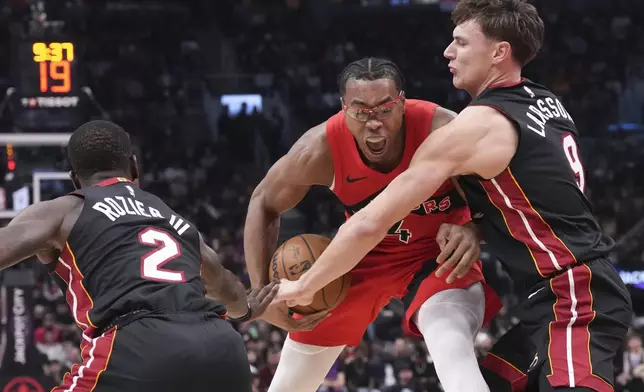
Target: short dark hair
(370, 68)
(514, 21)
(99, 146)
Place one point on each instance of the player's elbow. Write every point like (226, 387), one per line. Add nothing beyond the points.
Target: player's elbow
(365, 227)
(259, 205)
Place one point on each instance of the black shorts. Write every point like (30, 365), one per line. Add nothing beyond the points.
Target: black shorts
(570, 329)
(163, 352)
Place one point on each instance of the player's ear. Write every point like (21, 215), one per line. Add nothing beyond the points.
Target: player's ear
(74, 177)
(502, 52)
(134, 168)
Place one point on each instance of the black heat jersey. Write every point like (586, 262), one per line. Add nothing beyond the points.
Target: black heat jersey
(129, 252)
(536, 217)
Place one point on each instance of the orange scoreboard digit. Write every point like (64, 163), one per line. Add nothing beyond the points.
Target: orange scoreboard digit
(47, 82)
(54, 61)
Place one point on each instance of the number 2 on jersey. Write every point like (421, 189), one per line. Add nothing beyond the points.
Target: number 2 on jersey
(571, 151)
(167, 250)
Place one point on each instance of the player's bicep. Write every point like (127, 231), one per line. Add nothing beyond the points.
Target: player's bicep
(307, 163)
(211, 268)
(480, 140)
(495, 144)
(282, 188)
(33, 230)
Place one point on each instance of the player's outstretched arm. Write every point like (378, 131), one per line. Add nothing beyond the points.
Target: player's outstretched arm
(35, 229)
(479, 141)
(308, 163)
(223, 285)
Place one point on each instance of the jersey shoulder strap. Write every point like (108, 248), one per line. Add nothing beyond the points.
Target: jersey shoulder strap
(340, 140)
(419, 115)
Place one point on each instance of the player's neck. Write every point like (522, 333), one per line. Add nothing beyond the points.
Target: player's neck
(497, 78)
(102, 176)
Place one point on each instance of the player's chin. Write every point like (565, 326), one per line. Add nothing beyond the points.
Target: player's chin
(458, 82)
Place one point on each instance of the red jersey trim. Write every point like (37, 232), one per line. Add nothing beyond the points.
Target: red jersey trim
(517, 379)
(569, 343)
(507, 84)
(333, 128)
(96, 356)
(526, 225)
(112, 181)
(79, 300)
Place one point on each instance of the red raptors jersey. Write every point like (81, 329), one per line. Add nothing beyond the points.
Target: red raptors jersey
(412, 239)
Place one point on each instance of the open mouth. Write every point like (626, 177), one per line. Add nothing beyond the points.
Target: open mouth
(376, 145)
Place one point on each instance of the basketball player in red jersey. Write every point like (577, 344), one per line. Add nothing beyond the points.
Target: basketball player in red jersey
(515, 148)
(356, 153)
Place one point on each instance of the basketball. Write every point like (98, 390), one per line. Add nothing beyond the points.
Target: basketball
(295, 257)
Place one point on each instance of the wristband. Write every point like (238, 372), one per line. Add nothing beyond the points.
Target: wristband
(245, 317)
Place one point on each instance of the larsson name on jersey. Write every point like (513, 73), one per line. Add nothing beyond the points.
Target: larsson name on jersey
(543, 110)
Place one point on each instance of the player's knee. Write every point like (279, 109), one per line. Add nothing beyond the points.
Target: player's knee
(303, 348)
(461, 309)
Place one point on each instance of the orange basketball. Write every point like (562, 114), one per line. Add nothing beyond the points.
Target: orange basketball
(295, 257)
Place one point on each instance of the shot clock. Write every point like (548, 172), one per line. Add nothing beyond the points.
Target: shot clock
(54, 64)
(47, 82)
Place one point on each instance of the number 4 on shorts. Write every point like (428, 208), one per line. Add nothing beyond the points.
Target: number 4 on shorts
(403, 234)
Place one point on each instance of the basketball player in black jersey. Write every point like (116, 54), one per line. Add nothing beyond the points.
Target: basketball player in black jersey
(130, 268)
(515, 150)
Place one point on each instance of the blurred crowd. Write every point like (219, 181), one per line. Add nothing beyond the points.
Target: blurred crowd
(154, 71)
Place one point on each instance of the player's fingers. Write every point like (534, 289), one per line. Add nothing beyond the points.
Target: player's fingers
(443, 235)
(448, 249)
(458, 253)
(461, 269)
(267, 295)
(467, 261)
(259, 292)
(444, 267)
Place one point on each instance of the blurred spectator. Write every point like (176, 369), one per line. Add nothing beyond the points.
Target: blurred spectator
(48, 327)
(335, 380)
(52, 348)
(405, 380)
(267, 371)
(632, 364)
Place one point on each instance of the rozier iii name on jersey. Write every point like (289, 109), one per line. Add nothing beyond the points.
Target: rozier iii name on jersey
(117, 206)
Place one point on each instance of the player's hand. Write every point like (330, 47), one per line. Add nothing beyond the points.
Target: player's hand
(293, 293)
(460, 249)
(260, 298)
(278, 315)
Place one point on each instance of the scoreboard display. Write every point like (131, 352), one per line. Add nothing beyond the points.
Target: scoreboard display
(54, 61)
(47, 84)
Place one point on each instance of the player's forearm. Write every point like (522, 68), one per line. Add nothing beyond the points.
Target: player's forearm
(260, 238)
(230, 291)
(353, 241)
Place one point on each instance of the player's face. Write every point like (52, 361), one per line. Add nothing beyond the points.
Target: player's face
(470, 56)
(374, 111)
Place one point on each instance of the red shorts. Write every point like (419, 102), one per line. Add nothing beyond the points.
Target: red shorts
(372, 288)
